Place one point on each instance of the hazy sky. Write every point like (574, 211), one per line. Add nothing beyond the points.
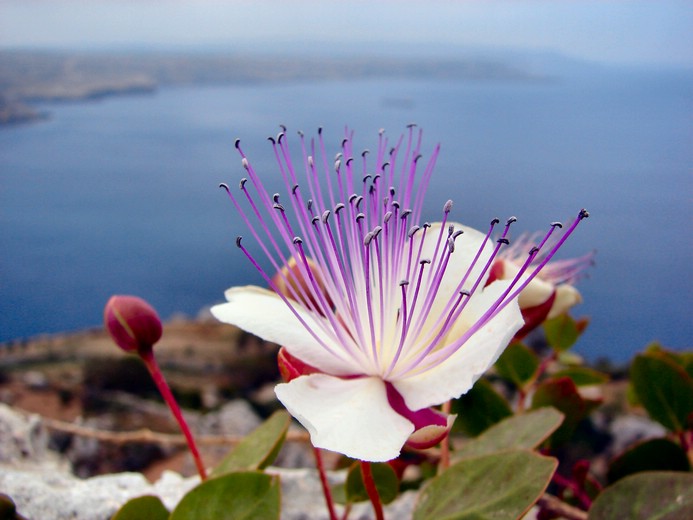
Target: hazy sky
(620, 31)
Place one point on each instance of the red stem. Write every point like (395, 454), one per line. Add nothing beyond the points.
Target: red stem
(579, 493)
(372, 491)
(444, 462)
(325, 485)
(157, 376)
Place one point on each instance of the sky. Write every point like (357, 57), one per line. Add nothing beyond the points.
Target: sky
(656, 32)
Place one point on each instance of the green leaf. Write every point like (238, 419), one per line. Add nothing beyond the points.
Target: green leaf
(561, 332)
(386, 482)
(524, 431)
(259, 448)
(501, 485)
(664, 389)
(652, 455)
(583, 376)
(661, 495)
(517, 364)
(235, 496)
(561, 393)
(479, 408)
(142, 508)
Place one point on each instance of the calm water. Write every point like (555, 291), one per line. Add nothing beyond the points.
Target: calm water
(120, 196)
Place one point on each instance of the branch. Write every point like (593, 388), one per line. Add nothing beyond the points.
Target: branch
(555, 505)
(145, 435)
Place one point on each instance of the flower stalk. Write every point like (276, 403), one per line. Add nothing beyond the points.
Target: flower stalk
(372, 490)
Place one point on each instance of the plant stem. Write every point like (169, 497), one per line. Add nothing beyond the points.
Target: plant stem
(372, 491)
(325, 485)
(157, 376)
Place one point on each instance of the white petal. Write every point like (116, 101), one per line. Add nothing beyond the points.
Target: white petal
(263, 313)
(566, 297)
(466, 247)
(536, 292)
(459, 372)
(349, 416)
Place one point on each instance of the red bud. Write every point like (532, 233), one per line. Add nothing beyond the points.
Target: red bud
(133, 324)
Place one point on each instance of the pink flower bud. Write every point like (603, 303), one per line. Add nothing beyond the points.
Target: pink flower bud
(133, 324)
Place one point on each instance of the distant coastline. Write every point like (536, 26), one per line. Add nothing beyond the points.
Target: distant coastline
(28, 77)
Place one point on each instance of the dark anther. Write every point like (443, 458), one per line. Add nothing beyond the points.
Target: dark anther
(310, 204)
(412, 231)
(395, 204)
(345, 141)
(325, 216)
(376, 230)
(451, 230)
(511, 220)
(337, 164)
(381, 131)
(392, 191)
(225, 186)
(366, 177)
(583, 214)
(503, 241)
(338, 156)
(556, 225)
(403, 283)
(424, 261)
(275, 198)
(411, 125)
(416, 159)
(426, 225)
(352, 197)
(359, 199)
(368, 238)
(272, 140)
(238, 240)
(293, 189)
(495, 221)
(280, 136)
(279, 207)
(339, 207)
(447, 207)
(385, 165)
(245, 164)
(387, 217)
(376, 177)
(298, 240)
(315, 220)
(319, 130)
(365, 152)
(360, 216)
(349, 161)
(393, 150)
(283, 127)
(241, 184)
(405, 213)
(237, 143)
(300, 133)
(451, 245)
(457, 233)
(464, 292)
(533, 251)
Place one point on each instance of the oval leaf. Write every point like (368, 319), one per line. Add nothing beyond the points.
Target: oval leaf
(664, 388)
(385, 478)
(142, 508)
(561, 332)
(652, 455)
(259, 448)
(583, 376)
(524, 431)
(562, 394)
(517, 364)
(479, 408)
(235, 496)
(502, 485)
(664, 495)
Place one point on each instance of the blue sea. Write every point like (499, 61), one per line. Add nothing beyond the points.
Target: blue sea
(121, 195)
